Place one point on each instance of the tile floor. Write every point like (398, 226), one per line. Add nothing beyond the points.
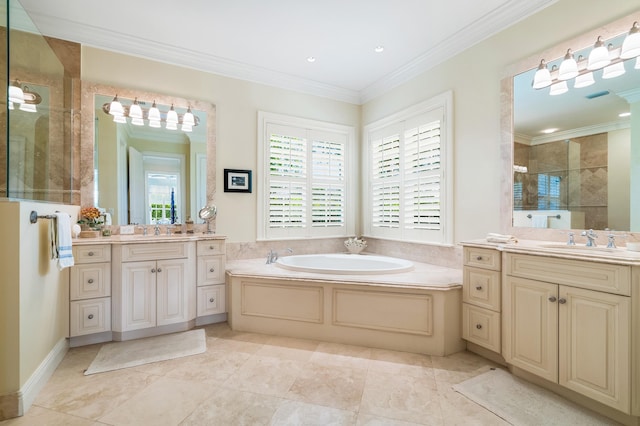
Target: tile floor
(255, 379)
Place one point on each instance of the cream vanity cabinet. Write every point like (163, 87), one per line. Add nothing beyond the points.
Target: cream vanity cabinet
(481, 297)
(154, 288)
(211, 279)
(569, 321)
(90, 294)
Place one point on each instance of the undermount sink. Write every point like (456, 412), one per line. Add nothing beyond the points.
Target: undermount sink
(581, 248)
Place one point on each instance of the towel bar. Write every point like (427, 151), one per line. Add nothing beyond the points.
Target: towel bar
(33, 216)
(557, 216)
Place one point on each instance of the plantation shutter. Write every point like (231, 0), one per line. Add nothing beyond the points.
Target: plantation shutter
(385, 179)
(328, 192)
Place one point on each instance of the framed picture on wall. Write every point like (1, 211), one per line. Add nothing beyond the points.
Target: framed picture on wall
(237, 180)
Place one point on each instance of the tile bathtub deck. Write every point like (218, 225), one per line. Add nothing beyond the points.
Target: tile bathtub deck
(252, 379)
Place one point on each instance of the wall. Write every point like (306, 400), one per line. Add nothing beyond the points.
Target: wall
(474, 76)
(619, 191)
(34, 302)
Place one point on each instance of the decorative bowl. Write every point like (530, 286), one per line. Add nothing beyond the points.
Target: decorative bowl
(355, 245)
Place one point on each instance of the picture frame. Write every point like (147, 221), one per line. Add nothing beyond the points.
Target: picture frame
(237, 180)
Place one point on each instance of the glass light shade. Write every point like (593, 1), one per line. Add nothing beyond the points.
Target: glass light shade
(121, 119)
(584, 80)
(154, 123)
(558, 88)
(188, 119)
(186, 128)
(137, 121)
(614, 70)
(599, 56)
(568, 67)
(154, 113)
(10, 105)
(631, 43)
(115, 107)
(135, 111)
(16, 95)
(172, 116)
(542, 78)
(28, 107)
(171, 126)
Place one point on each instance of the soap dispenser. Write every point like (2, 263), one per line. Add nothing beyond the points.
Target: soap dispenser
(189, 223)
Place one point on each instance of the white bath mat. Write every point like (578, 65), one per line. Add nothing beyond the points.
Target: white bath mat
(523, 403)
(117, 355)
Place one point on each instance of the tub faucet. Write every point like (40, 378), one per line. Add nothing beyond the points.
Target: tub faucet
(156, 229)
(591, 237)
(272, 256)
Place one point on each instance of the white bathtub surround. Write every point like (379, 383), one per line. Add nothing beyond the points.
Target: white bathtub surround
(345, 264)
(416, 311)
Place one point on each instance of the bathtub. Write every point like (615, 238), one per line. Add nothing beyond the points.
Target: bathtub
(345, 264)
(416, 310)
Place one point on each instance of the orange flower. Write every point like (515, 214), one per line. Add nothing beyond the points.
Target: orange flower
(89, 214)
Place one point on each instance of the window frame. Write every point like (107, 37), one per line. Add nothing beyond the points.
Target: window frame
(445, 235)
(264, 232)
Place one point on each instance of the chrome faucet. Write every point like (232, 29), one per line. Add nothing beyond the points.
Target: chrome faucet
(572, 241)
(591, 237)
(272, 256)
(156, 229)
(611, 241)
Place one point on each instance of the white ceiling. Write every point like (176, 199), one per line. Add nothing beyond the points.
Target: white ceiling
(269, 41)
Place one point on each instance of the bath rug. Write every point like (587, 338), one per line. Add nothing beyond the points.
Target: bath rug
(131, 353)
(522, 403)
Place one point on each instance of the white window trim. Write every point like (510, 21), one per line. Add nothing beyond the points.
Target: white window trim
(266, 118)
(444, 101)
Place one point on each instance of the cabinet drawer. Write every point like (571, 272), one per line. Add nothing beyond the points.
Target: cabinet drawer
(481, 287)
(90, 316)
(211, 300)
(164, 250)
(92, 254)
(481, 326)
(576, 273)
(209, 247)
(210, 270)
(88, 281)
(482, 258)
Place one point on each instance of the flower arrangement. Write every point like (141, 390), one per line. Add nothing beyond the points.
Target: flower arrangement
(90, 217)
(355, 245)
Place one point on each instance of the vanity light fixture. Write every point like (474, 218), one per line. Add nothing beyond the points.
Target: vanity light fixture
(568, 67)
(631, 44)
(115, 107)
(599, 56)
(542, 78)
(613, 70)
(558, 88)
(138, 114)
(23, 97)
(16, 95)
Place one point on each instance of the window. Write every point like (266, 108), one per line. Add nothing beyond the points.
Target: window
(409, 174)
(548, 192)
(304, 178)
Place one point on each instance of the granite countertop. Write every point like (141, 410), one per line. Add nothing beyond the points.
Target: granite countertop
(138, 238)
(423, 275)
(619, 255)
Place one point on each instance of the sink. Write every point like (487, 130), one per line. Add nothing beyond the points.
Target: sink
(562, 246)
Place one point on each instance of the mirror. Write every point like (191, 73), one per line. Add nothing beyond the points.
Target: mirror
(208, 214)
(578, 176)
(144, 175)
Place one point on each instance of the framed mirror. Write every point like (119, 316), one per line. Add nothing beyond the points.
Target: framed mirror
(146, 174)
(569, 155)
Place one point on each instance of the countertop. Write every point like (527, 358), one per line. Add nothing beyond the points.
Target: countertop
(138, 238)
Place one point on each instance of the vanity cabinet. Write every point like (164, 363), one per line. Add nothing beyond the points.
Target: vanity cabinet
(211, 289)
(90, 293)
(154, 287)
(569, 321)
(481, 297)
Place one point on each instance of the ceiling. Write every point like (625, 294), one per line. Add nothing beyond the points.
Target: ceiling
(269, 41)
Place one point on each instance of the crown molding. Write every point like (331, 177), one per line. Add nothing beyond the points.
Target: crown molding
(580, 132)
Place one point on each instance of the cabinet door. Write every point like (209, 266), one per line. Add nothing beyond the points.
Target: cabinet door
(594, 345)
(530, 331)
(176, 292)
(138, 295)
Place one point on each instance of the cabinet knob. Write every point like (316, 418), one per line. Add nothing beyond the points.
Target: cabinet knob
(159, 269)
(90, 280)
(479, 258)
(211, 300)
(90, 253)
(552, 299)
(478, 287)
(212, 270)
(479, 326)
(153, 270)
(562, 301)
(211, 247)
(90, 316)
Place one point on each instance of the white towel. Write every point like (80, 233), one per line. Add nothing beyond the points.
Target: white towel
(61, 241)
(539, 220)
(501, 238)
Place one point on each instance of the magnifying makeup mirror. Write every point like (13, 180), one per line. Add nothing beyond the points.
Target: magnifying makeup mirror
(208, 213)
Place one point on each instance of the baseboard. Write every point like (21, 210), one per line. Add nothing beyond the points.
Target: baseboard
(18, 403)
(210, 319)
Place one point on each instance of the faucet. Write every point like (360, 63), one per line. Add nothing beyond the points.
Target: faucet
(611, 241)
(156, 229)
(572, 241)
(272, 256)
(591, 237)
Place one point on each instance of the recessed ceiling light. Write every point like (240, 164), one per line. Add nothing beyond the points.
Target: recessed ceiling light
(379, 49)
(311, 59)
(547, 131)
(624, 114)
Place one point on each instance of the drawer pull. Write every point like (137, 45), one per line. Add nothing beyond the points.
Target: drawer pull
(90, 316)
(552, 299)
(153, 270)
(479, 287)
(211, 300)
(90, 253)
(159, 269)
(211, 247)
(562, 301)
(212, 270)
(479, 326)
(479, 258)
(90, 280)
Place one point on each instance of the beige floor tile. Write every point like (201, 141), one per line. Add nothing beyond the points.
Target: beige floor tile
(165, 402)
(401, 397)
(233, 345)
(416, 365)
(287, 351)
(459, 367)
(231, 407)
(458, 410)
(43, 416)
(296, 413)
(340, 355)
(371, 420)
(265, 375)
(338, 387)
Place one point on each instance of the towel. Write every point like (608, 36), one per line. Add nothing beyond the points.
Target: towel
(501, 238)
(539, 220)
(61, 240)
